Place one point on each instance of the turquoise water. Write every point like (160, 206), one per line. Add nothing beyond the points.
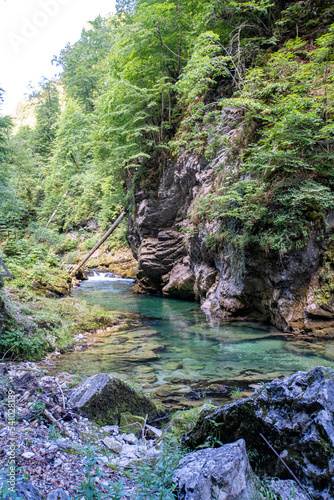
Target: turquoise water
(172, 348)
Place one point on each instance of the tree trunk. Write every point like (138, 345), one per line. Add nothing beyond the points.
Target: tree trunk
(93, 250)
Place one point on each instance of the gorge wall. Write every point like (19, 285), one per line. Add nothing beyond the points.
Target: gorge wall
(281, 290)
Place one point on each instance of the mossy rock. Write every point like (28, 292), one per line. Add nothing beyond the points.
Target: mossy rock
(131, 424)
(104, 398)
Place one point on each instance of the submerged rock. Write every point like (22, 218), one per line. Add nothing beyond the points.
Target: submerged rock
(213, 473)
(104, 398)
(294, 414)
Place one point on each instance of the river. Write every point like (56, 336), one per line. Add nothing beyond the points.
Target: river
(173, 351)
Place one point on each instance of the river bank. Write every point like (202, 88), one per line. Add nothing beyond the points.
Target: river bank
(61, 454)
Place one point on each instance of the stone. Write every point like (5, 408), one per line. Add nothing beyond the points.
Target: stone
(294, 414)
(112, 429)
(153, 432)
(181, 283)
(27, 491)
(58, 462)
(287, 489)
(130, 438)
(58, 494)
(63, 445)
(104, 398)
(129, 451)
(215, 473)
(113, 444)
(28, 455)
(131, 424)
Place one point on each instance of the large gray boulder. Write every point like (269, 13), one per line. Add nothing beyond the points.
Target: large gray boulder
(215, 474)
(294, 414)
(104, 398)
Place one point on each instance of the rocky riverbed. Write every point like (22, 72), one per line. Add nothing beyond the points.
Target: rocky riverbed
(66, 438)
(55, 445)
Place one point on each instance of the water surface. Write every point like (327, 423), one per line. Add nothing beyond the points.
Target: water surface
(172, 349)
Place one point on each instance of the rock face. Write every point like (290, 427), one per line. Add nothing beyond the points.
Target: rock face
(215, 473)
(287, 489)
(295, 415)
(104, 398)
(175, 263)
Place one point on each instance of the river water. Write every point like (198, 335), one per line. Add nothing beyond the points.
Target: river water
(171, 349)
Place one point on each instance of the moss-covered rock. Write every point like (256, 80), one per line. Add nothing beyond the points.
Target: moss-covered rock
(104, 398)
(131, 424)
(294, 414)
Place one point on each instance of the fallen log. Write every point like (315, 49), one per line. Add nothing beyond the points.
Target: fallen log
(93, 250)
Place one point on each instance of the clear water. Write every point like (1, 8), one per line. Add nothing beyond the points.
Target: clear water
(171, 348)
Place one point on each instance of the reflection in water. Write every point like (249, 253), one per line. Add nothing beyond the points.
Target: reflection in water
(173, 346)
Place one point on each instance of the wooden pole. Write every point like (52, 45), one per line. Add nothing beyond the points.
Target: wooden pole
(7, 274)
(93, 250)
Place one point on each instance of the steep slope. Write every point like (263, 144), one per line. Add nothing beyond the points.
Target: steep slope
(285, 290)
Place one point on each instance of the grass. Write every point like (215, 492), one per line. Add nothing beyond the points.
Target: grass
(35, 325)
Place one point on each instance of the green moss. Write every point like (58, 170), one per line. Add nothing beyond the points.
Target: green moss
(116, 397)
(36, 325)
(184, 421)
(131, 424)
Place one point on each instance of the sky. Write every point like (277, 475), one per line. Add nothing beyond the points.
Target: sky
(31, 33)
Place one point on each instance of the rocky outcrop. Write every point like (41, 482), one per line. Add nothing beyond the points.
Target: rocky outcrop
(295, 415)
(174, 259)
(104, 398)
(213, 473)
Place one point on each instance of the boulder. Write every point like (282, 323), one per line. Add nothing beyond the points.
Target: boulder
(215, 473)
(181, 282)
(294, 414)
(104, 398)
(131, 424)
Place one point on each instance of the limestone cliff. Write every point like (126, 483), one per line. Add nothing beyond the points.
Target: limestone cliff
(178, 263)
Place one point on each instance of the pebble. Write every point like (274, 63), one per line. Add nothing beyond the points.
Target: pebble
(58, 462)
(129, 438)
(112, 429)
(28, 454)
(113, 444)
(129, 451)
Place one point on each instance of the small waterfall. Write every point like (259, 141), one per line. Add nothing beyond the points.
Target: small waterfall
(101, 276)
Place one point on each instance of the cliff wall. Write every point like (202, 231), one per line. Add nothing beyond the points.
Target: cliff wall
(175, 260)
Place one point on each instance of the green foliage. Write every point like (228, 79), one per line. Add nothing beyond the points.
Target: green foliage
(88, 489)
(47, 110)
(155, 478)
(236, 393)
(287, 188)
(184, 421)
(263, 491)
(54, 432)
(205, 65)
